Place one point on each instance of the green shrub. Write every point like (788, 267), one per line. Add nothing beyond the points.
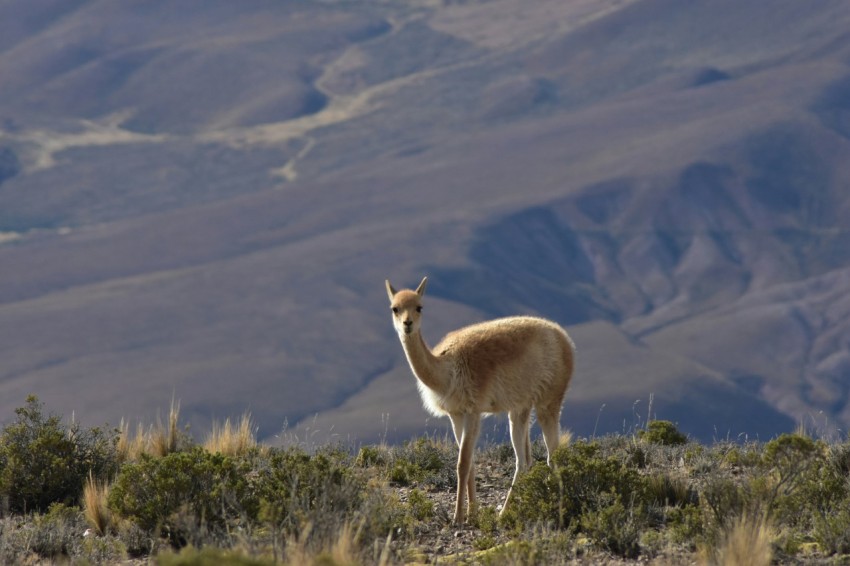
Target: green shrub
(55, 537)
(383, 512)
(737, 456)
(44, 462)
(542, 548)
(723, 501)
(662, 432)
(790, 455)
(805, 480)
(102, 550)
(57, 532)
(484, 542)
(486, 520)
(832, 531)
(727, 504)
(370, 456)
(614, 526)
(296, 488)
(404, 472)
(667, 491)
(420, 506)
(183, 493)
(810, 492)
(582, 481)
(422, 460)
(685, 525)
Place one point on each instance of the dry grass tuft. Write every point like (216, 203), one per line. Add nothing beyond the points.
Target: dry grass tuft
(342, 552)
(163, 440)
(95, 508)
(130, 448)
(296, 547)
(232, 440)
(159, 440)
(746, 543)
(344, 549)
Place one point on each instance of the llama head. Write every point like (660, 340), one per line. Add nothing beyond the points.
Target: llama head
(406, 306)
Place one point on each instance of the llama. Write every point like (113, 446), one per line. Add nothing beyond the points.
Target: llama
(508, 365)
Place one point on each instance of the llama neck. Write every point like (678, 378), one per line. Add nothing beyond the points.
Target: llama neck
(428, 368)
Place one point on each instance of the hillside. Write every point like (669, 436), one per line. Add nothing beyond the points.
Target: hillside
(202, 200)
(114, 497)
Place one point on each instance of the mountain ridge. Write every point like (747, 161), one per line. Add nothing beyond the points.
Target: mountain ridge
(665, 180)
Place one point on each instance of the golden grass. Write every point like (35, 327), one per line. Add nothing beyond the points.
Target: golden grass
(95, 508)
(745, 543)
(232, 440)
(343, 551)
(158, 440)
(163, 440)
(130, 448)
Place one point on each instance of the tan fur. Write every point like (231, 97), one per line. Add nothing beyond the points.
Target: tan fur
(506, 365)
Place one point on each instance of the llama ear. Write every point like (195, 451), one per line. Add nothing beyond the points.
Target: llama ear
(390, 291)
(421, 289)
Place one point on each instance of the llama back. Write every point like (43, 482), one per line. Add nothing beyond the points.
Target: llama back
(508, 362)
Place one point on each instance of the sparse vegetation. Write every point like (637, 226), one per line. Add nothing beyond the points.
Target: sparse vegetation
(616, 499)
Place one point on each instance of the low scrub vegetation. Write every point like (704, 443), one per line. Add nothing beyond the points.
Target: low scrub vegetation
(96, 496)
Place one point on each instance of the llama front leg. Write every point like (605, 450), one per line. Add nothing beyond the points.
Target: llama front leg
(473, 425)
(465, 466)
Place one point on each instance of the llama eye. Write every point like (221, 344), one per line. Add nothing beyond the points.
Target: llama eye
(418, 309)
(395, 310)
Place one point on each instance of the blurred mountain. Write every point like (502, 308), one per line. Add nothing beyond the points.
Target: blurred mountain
(202, 198)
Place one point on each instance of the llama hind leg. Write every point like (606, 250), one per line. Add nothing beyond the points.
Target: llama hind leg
(519, 421)
(550, 424)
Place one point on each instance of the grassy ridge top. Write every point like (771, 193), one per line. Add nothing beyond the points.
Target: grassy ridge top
(653, 495)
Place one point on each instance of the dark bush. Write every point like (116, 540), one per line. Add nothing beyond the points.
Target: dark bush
(582, 481)
(44, 462)
(662, 432)
(369, 456)
(810, 485)
(296, 488)
(184, 494)
(423, 460)
(615, 527)
(667, 491)
(724, 501)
